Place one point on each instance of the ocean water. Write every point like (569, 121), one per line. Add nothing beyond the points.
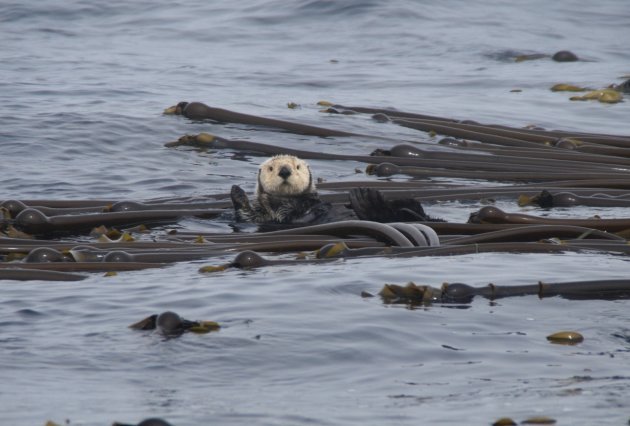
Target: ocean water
(82, 88)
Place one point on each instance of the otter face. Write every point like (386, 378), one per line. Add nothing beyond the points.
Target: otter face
(285, 175)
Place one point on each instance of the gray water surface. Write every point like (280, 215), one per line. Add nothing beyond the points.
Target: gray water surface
(82, 89)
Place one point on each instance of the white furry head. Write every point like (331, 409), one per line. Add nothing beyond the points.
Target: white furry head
(285, 175)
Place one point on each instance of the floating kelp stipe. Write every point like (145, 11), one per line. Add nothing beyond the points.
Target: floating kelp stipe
(460, 293)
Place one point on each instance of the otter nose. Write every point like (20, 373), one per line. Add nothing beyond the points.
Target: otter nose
(284, 172)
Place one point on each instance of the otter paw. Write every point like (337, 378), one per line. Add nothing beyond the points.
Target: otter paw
(369, 204)
(239, 198)
(242, 207)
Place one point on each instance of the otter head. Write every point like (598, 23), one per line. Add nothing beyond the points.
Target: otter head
(285, 175)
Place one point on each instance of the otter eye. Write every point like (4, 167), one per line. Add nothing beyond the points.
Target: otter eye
(270, 168)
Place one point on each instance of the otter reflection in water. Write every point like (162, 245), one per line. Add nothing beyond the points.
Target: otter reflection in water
(286, 194)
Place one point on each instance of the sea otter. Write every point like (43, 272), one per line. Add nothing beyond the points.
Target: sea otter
(286, 194)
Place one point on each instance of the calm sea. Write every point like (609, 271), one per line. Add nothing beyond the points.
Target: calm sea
(82, 89)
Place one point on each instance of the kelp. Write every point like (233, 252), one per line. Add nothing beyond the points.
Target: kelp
(201, 111)
(545, 168)
(549, 137)
(547, 200)
(560, 56)
(461, 293)
(170, 324)
(33, 221)
(146, 422)
(608, 96)
(566, 338)
(491, 214)
(38, 274)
